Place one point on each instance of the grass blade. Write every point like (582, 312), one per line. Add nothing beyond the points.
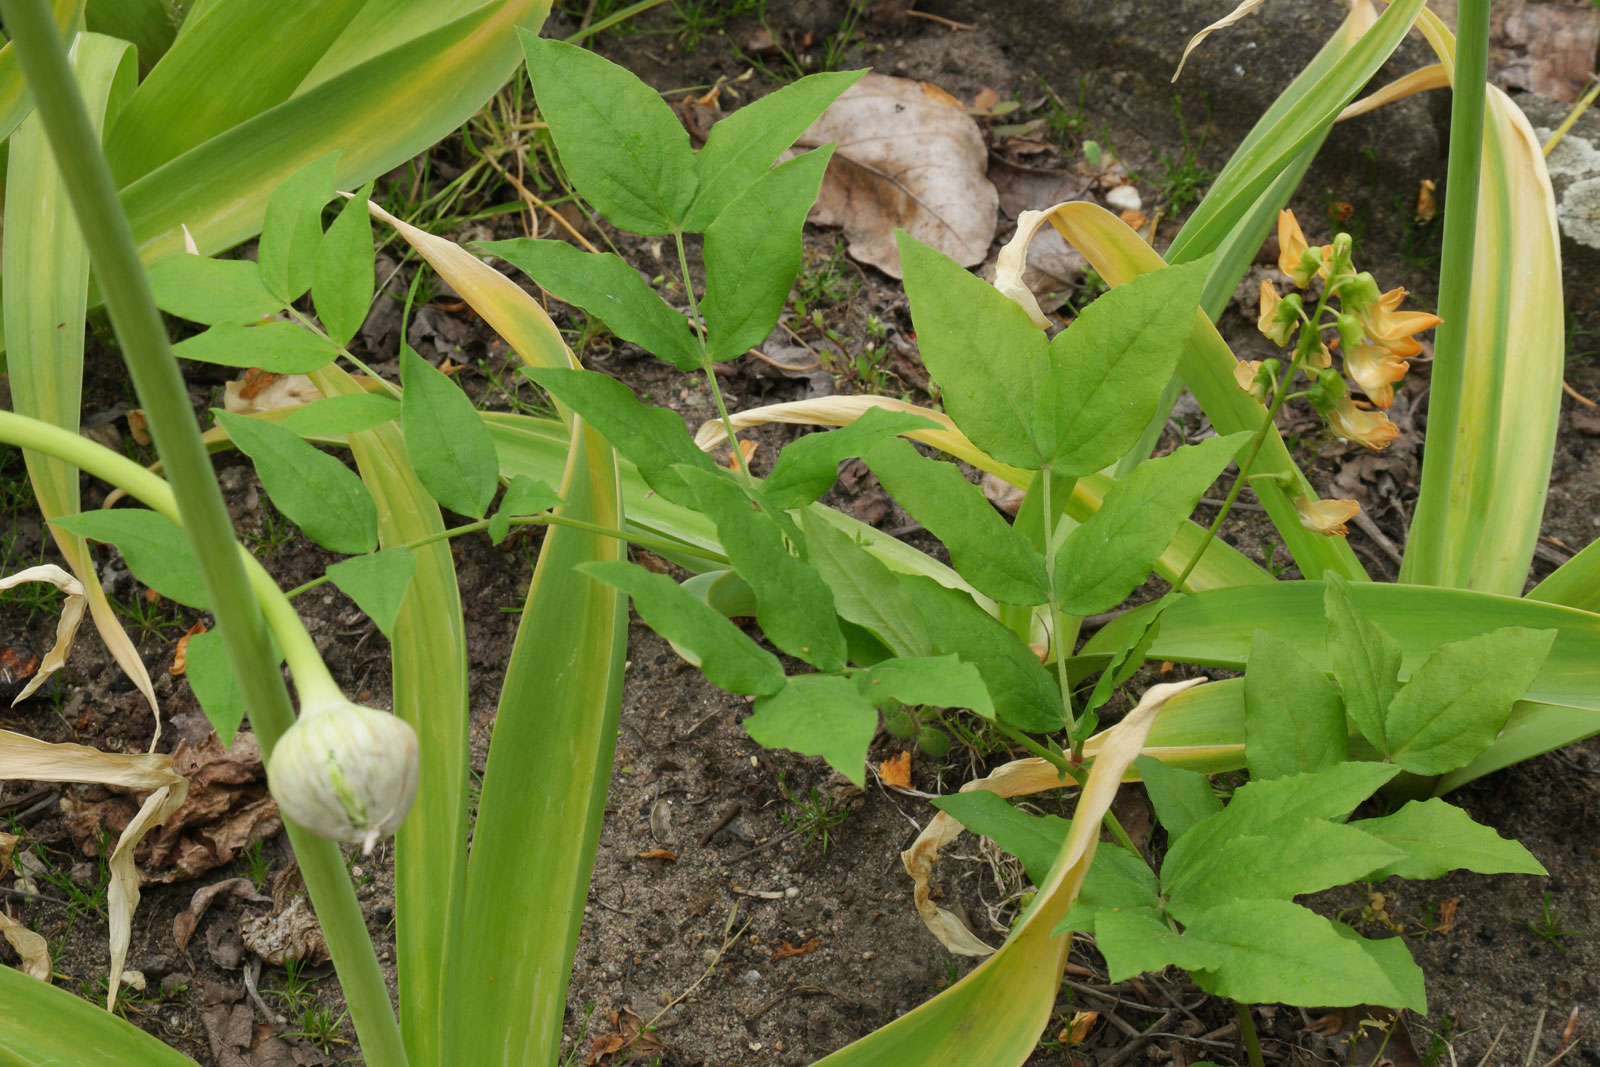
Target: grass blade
(1498, 358)
(45, 308)
(428, 650)
(49, 1025)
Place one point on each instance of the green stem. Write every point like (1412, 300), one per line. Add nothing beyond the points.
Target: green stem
(1426, 560)
(705, 360)
(1280, 394)
(1247, 1030)
(1068, 770)
(165, 399)
(392, 389)
(1057, 635)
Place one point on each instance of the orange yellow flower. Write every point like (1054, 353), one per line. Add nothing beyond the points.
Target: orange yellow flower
(1370, 428)
(1326, 517)
(1244, 372)
(1267, 322)
(1386, 325)
(1375, 370)
(1292, 249)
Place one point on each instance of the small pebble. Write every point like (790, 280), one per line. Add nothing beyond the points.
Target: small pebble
(752, 976)
(792, 892)
(1124, 198)
(869, 955)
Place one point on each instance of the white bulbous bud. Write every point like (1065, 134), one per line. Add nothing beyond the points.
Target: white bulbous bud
(346, 772)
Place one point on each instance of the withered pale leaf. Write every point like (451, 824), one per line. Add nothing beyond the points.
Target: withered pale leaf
(27, 758)
(184, 925)
(909, 156)
(29, 945)
(66, 627)
(1116, 751)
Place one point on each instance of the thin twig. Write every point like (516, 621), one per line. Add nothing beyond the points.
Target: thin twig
(721, 824)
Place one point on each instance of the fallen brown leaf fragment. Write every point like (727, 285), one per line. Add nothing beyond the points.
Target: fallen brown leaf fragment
(1078, 1028)
(180, 657)
(909, 156)
(186, 922)
(897, 771)
(785, 950)
(657, 854)
(1447, 914)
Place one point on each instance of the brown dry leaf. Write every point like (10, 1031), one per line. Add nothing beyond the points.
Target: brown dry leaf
(1447, 915)
(183, 927)
(1427, 206)
(180, 657)
(897, 771)
(746, 449)
(908, 156)
(1001, 493)
(1136, 220)
(601, 1047)
(29, 945)
(228, 1029)
(66, 627)
(785, 950)
(139, 427)
(657, 854)
(26, 758)
(259, 391)
(986, 99)
(227, 809)
(289, 933)
(1547, 49)
(1078, 1029)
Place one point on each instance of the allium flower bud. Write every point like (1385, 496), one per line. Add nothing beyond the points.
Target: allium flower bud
(346, 772)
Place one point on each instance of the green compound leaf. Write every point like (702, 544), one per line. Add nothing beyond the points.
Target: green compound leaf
(211, 678)
(1307, 857)
(1180, 796)
(211, 290)
(972, 338)
(1111, 554)
(377, 583)
(1112, 363)
(620, 143)
(524, 496)
(741, 147)
(793, 604)
(1366, 660)
(446, 440)
(609, 289)
(1136, 940)
(292, 230)
(279, 347)
(1456, 702)
(719, 648)
(1264, 808)
(818, 715)
(752, 254)
(156, 548)
(1438, 838)
(984, 549)
(939, 681)
(1024, 693)
(1293, 717)
(808, 467)
(1033, 839)
(344, 280)
(337, 415)
(652, 439)
(1277, 951)
(865, 592)
(318, 493)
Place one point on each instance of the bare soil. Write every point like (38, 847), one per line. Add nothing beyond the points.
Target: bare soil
(782, 928)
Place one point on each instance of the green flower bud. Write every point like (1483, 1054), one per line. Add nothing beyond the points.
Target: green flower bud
(346, 772)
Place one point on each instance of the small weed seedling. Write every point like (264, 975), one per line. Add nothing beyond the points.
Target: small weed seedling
(1549, 926)
(257, 864)
(1183, 180)
(814, 818)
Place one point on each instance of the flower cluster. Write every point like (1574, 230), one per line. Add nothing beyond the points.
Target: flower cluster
(1372, 335)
